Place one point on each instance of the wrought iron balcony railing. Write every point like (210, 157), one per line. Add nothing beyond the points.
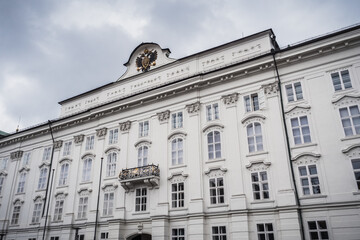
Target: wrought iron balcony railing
(148, 175)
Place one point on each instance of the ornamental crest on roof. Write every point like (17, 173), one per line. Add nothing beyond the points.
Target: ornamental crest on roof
(146, 59)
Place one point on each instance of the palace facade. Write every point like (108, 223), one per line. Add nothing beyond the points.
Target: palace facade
(246, 140)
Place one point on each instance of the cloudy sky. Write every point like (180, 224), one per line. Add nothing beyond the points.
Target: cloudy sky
(53, 50)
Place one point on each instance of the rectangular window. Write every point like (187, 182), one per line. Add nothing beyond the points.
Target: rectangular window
(177, 195)
(350, 119)
(260, 185)
(108, 204)
(318, 230)
(21, 184)
(59, 206)
(140, 199)
(2, 179)
(341, 80)
(113, 136)
(309, 180)
(219, 233)
(46, 154)
(177, 120)
(251, 102)
(212, 112)
(90, 143)
(301, 130)
(104, 235)
(67, 148)
(178, 234)
(64, 171)
(16, 215)
(26, 159)
(43, 178)
(294, 92)
(83, 206)
(265, 231)
(356, 167)
(216, 190)
(4, 163)
(54, 238)
(144, 129)
(37, 212)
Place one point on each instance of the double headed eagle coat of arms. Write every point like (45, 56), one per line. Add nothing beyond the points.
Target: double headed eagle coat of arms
(146, 59)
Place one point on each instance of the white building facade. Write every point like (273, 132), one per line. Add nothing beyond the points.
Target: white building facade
(242, 141)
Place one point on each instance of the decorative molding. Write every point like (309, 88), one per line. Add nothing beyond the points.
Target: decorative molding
(310, 154)
(3, 173)
(352, 151)
(271, 89)
(25, 168)
(39, 196)
(112, 148)
(44, 163)
(65, 160)
(143, 142)
(88, 154)
(258, 165)
(297, 110)
(178, 177)
(18, 200)
(163, 116)
(79, 138)
(125, 126)
(85, 191)
(16, 155)
(230, 99)
(101, 132)
(193, 108)
(215, 171)
(177, 133)
(60, 194)
(253, 117)
(339, 69)
(109, 187)
(58, 144)
(213, 125)
(349, 148)
(346, 100)
(306, 158)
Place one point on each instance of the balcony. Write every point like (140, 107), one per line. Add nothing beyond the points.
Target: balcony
(148, 175)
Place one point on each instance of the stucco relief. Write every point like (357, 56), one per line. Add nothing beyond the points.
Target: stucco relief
(213, 172)
(163, 116)
(16, 155)
(101, 132)
(260, 165)
(79, 138)
(193, 108)
(125, 126)
(306, 158)
(58, 144)
(231, 99)
(346, 100)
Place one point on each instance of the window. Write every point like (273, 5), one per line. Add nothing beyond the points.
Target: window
(54, 238)
(59, 206)
(212, 112)
(3, 163)
(219, 233)
(178, 234)
(356, 167)
(260, 185)
(21, 184)
(16, 213)
(177, 151)
(300, 130)
(104, 235)
(2, 180)
(216, 190)
(144, 129)
(111, 164)
(254, 136)
(309, 180)
(294, 92)
(318, 230)
(350, 118)
(43, 178)
(83, 205)
(64, 171)
(140, 199)
(341, 80)
(37, 212)
(81, 237)
(86, 173)
(46, 155)
(113, 136)
(26, 159)
(89, 143)
(214, 145)
(67, 148)
(108, 204)
(177, 195)
(177, 120)
(142, 156)
(251, 102)
(265, 231)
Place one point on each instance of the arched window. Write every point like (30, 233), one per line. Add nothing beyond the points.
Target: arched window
(37, 211)
(254, 136)
(64, 172)
(21, 184)
(177, 151)
(43, 178)
(86, 174)
(143, 156)
(111, 164)
(16, 213)
(214, 145)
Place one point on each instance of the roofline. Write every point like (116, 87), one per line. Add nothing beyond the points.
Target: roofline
(141, 44)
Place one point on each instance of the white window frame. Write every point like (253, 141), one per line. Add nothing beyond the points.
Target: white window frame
(86, 170)
(141, 199)
(251, 102)
(26, 159)
(22, 182)
(260, 185)
(108, 207)
(16, 213)
(351, 129)
(36, 216)
(177, 120)
(214, 144)
(178, 195)
(177, 151)
(3, 163)
(356, 171)
(217, 190)
(254, 138)
(309, 180)
(341, 80)
(104, 235)
(143, 155)
(55, 238)
(83, 207)
(212, 112)
(298, 129)
(47, 153)
(294, 92)
(264, 232)
(90, 141)
(218, 233)
(2, 181)
(111, 164)
(318, 230)
(178, 234)
(67, 148)
(113, 136)
(43, 178)
(144, 128)
(64, 173)
(59, 209)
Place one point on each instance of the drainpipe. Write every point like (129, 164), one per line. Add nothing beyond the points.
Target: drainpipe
(98, 199)
(297, 200)
(48, 190)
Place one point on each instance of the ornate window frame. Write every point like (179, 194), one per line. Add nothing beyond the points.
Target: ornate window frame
(177, 135)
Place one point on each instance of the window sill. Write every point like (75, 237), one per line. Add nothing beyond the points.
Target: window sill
(107, 216)
(178, 209)
(81, 219)
(350, 137)
(178, 166)
(14, 225)
(140, 213)
(110, 178)
(215, 160)
(343, 91)
(34, 224)
(257, 153)
(218, 205)
(40, 190)
(87, 182)
(356, 192)
(313, 196)
(62, 186)
(58, 221)
(293, 103)
(21, 193)
(303, 145)
(260, 201)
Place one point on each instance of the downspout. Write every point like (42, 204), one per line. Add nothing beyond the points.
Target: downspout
(48, 190)
(98, 199)
(297, 200)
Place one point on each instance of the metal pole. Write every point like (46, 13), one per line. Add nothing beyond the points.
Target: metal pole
(98, 199)
(47, 209)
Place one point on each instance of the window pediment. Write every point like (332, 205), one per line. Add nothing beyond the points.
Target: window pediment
(3, 173)
(61, 195)
(176, 134)
(46, 163)
(306, 158)
(297, 110)
(24, 169)
(352, 151)
(258, 165)
(253, 117)
(346, 100)
(64, 160)
(18, 201)
(38, 198)
(178, 177)
(84, 191)
(110, 187)
(142, 142)
(111, 149)
(213, 126)
(216, 171)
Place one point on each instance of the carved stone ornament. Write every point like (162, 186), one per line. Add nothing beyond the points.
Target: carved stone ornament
(125, 126)
(271, 89)
(79, 138)
(164, 116)
(230, 99)
(193, 108)
(16, 155)
(101, 132)
(58, 144)
(146, 59)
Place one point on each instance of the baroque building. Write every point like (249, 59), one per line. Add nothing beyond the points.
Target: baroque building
(246, 140)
